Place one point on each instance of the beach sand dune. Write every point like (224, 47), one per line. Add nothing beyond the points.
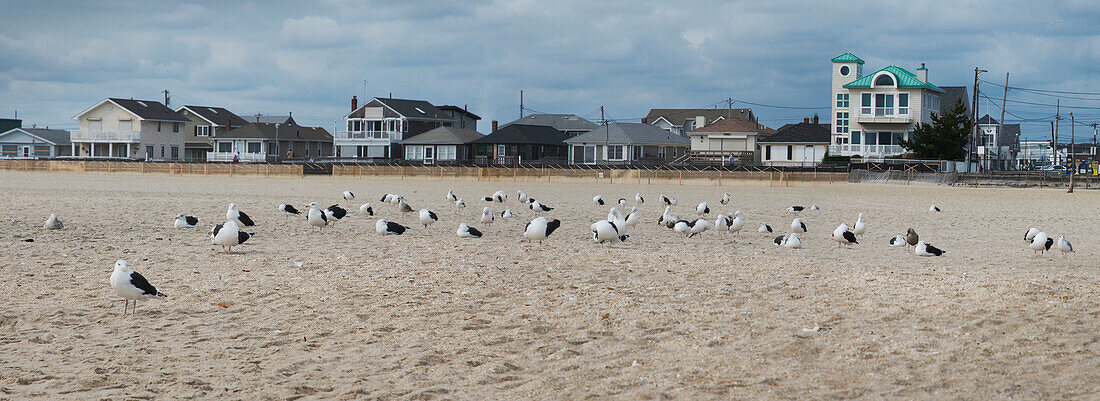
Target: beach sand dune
(349, 314)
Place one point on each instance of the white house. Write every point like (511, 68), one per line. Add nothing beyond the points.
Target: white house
(376, 129)
(801, 144)
(728, 140)
(130, 129)
(872, 112)
(34, 143)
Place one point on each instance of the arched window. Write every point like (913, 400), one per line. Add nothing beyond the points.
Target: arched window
(884, 80)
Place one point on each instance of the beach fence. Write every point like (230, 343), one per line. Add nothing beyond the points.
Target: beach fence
(139, 167)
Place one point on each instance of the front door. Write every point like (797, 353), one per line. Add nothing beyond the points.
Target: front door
(429, 154)
(26, 151)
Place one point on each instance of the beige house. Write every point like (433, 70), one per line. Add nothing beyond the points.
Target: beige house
(730, 140)
(130, 129)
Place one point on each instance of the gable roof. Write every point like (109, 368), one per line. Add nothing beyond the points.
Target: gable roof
(215, 115)
(561, 122)
(54, 136)
(904, 79)
(270, 119)
(445, 136)
(451, 108)
(847, 58)
(631, 133)
(147, 109)
(525, 134)
(413, 108)
(986, 119)
(286, 132)
(679, 116)
(950, 95)
(800, 133)
(733, 125)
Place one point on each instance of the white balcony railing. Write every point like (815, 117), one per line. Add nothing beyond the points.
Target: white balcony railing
(105, 136)
(242, 157)
(866, 150)
(366, 135)
(877, 119)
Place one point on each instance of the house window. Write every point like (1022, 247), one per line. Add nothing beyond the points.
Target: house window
(884, 80)
(637, 152)
(161, 151)
(855, 137)
(449, 152)
(501, 150)
(615, 152)
(844, 70)
(662, 152)
(414, 152)
(95, 125)
(148, 152)
(842, 100)
(767, 153)
(42, 150)
(175, 153)
(790, 152)
(306, 151)
(841, 123)
(865, 100)
(225, 147)
(884, 104)
(903, 103)
(9, 150)
(175, 128)
(203, 130)
(158, 126)
(254, 147)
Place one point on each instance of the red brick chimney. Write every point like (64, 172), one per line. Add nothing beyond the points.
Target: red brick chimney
(815, 118)
(805, 120)
(354, 103)
(645, 120)
(494, 126)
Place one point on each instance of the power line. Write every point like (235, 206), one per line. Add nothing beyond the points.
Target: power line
(1041, 90)
(782, 107)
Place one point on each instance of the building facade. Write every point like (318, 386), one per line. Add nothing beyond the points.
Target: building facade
(270, 142)
(206, 123)
(872, 112)
(520, 143)
(34, 143)
(682, 121)
(727, 141)
(796, 145)
(130, 129)
(376, 129)
(626, 144)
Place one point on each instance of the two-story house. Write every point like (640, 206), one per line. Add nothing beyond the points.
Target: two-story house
(682, 121)
(570, 124)
(464, 119)
(206, 123)
(872, 112)
(997, 147)
(130, 129)
(376, 129)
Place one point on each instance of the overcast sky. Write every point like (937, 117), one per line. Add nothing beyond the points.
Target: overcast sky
(275, 57)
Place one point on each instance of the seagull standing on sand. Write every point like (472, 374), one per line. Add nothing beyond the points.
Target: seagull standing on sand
(451, 195)
(844, 237)
(487, 216)
(335, 213)
(632, 218)
(185, 221)
(506, 214)
(722, 223)
(1030, 234)
(699, 226)
(522, 196)
(798, 226)
(238, 216)
(348, 196)
(389, 228)
(460, 202)
(316, 217)
(725, 198)
(607, 231)
(923, 249)
(289, 210)
(790, 241)
(465, 231)
(366, 208)
(622, 202)
(132, 286)
(737, 223)
(53, 223)
(682, 227)
(702, 209)
(859, 228)
(1041, 243)
(934, 209)
(1064, 245)
(638, 198)
(911, 237)
(404, 207)
(539, 207)
(764, 228)
(228, 235)
(795, 209)
(540, 229)
(427, 217)
(668, 201)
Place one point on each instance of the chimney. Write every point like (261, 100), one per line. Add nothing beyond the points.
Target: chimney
(815, 118)
(922, 73)
(354, 103)
(645, 121)
(805, 120)
(494, 126)
(700, 121)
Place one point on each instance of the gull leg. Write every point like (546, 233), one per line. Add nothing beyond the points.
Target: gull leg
(125, 306)
(134, 311)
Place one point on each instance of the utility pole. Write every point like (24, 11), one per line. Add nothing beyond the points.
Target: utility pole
(1072, 142)
(974, 121)
(730, 103)
(521, 103)
(1057, 116)
(166, 98)
(606, 136)
(1001, 122)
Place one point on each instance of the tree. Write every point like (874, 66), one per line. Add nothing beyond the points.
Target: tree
(945, 138)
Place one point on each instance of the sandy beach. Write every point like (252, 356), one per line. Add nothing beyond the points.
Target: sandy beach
(429, 316)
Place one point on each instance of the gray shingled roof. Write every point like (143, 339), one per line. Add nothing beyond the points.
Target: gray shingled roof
(950, 95)
(525, 134)
(457, 109)
(286, 132)
(149, 110)
(800, 133)
(57, 136)
(409, 108)
(678, 116)
(217, 115)
(262, 119)
(560, 122)
(630, 134)
(445, 136)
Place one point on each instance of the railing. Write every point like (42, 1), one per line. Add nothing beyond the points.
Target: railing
(366, 135)
(876, 119)
(105, 136)
(242, 157)
(866, 150)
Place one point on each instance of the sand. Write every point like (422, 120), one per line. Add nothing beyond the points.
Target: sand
(430, 316)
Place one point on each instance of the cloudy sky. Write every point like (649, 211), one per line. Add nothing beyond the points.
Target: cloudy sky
(567, 56)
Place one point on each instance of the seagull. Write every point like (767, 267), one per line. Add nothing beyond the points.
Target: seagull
(722, 223)
(404, 207)
(228, 235)
(335, 213)
(622, 202)
(132, 286)
(607, 231)
(699, 226)
(737, 223)
(316, 217)
(465, 231)
(899, 240)
(289, 210)
(632, 217)
(795, 209)
(185, 221)
(389, 228)
(934, 209)
(911, 237)
(797, 225)
(1030, 234)
(451, 195)
(598, 199)
(814, 207)
(506, 214)
(683, 227)
(859, 228)
(668, 201)
(397, 199)
(923, 249)
(844, 237)
(238, 216)
(617, 218)
(666, 216)
(53, 223)
(539, 207)
(539, 229)
(348, 196)
(1064, 245)
(487, 198)
(764, 228)
(487, 216)
(366, 208)
(500, 196)
(725, 198)
(522, 196)
(788, 241)
(386, 198)
(702, 209)
(1041, 242)
(638, 198)
(460, 202)
(427, 217)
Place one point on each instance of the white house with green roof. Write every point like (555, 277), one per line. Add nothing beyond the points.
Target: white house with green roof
(872, 112)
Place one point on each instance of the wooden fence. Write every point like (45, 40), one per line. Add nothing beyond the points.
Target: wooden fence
(97, 166)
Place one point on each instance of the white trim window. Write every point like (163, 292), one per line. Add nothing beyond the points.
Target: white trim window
(225, 147)
(202, 130)
(614, 152)
(903, 103)
(414, 152)
(842, 100)
(254, 147)
(446, 152)
(842, 122)
(884, 104)
(865, 104)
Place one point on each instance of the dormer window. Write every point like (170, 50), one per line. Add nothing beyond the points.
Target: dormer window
(884, 80)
